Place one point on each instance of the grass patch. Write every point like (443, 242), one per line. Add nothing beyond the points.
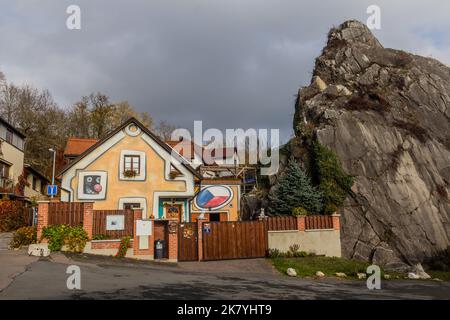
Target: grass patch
(308, 266)
(442, 275)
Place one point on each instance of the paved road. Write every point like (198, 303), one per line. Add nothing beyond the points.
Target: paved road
(105, 278)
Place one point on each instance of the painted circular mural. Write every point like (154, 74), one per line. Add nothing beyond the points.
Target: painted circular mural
(213, 197)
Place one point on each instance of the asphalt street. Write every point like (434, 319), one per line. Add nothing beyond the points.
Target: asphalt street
(24, 277)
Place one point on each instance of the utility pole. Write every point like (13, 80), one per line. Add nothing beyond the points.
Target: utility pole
(53, 172)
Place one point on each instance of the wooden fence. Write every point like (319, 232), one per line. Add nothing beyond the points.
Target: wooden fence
(279, 223)
(234, 240)
(99, 223)
(318, 222)
(70, 213)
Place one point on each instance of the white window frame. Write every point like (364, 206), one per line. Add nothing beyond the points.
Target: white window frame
(102, 195)
(142, 174)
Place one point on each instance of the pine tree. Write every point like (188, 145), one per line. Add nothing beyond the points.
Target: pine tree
(295, 190)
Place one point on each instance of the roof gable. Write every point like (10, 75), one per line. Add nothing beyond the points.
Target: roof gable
(165, 146)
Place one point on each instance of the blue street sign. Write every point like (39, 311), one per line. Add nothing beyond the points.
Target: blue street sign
(52, 190)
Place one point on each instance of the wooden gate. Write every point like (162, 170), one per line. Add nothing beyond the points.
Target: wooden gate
(234, 240)
(187, 241)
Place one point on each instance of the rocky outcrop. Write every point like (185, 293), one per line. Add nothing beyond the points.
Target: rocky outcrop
(386, 115)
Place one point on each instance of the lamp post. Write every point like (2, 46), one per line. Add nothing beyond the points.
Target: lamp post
(53, 172)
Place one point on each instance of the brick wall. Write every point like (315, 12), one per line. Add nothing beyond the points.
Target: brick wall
(151, 240)
(88, 218)
(108, 244)
(42, 217)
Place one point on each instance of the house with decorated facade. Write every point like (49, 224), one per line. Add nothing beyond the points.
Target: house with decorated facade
(133, 168)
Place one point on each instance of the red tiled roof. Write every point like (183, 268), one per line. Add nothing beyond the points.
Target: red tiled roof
(182, 147)
(76, 146)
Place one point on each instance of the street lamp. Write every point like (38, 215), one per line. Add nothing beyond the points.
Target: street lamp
(53, 172)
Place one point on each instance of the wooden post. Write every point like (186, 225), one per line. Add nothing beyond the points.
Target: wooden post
(200, 238)
(42, 217)
(88, 218)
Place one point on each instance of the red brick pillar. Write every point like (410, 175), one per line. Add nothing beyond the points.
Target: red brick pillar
(336, 217)
(88, 218)
(172, 246)
(200, 238)
(151, 239)
(301, 226)
(42, 217)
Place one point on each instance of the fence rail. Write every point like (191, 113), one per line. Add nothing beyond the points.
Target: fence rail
(99, 223)
(70, 213)
(318, 222)
(279, 223)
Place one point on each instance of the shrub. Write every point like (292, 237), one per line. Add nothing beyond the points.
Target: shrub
(76, 239)
(58, 235)
(327, 172)
(100, 237)
(330, 208)
(13, 215)
(275, 253)
(301, 254)
(24, 236)
(299, 211)
(55, 235)
(123, 247)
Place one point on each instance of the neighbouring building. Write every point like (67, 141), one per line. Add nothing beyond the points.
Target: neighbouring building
(37, 182)
(12, 166)
(132, 168)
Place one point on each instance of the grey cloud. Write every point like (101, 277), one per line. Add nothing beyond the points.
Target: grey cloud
(228, 63)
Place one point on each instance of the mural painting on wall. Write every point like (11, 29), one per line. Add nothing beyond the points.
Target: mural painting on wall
(92, 185)
(213, 197)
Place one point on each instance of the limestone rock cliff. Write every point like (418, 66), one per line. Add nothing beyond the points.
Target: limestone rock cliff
(386, 115)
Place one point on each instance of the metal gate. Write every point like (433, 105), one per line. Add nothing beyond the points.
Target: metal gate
(187, 241)
(234, 240)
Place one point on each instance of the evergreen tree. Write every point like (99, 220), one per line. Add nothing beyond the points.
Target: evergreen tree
(295, 190)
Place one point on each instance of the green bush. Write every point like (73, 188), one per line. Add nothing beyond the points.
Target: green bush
(299, 211)
(58, 235)
(328, 174)
(76, 239)
(330, 208)
(123, 247)
(100, 237)
(24, 236)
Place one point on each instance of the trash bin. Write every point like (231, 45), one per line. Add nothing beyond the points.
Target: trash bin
(160, 249)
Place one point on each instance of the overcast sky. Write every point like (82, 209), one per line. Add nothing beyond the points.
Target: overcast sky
(232, 64)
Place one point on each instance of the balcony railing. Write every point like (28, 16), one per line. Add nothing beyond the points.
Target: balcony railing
(6, 185)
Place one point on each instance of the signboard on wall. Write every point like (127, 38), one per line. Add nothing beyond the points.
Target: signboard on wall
(115, 222)
(143, 228)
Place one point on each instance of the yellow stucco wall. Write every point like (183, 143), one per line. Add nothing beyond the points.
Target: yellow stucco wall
(116, 189)
(232, 208)
(14, 156)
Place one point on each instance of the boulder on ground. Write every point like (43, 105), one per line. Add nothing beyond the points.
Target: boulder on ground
(320, 274)
(39, 250)
(418, 270)
(412, 275)
(341, 275)
(361, 275)
(291, 272)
